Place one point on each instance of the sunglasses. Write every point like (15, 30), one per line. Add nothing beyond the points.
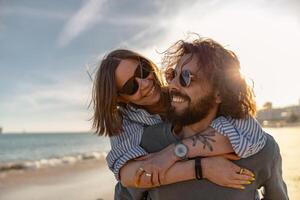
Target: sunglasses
(185, 76)
(131, 86)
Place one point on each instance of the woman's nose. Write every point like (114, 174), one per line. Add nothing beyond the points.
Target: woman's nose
(144, 83)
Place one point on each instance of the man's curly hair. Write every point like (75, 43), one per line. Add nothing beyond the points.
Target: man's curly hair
(221, 68)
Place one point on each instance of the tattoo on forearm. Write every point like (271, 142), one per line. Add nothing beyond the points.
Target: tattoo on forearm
(205, 138)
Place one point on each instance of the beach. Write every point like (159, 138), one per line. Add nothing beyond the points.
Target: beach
(90, 179)
(86, 180)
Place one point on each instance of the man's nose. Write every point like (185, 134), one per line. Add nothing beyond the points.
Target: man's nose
(174, 84)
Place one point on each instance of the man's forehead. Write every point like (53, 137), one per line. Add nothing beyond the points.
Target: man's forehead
(188, 61)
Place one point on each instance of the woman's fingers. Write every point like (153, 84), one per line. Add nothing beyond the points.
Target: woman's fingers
(146, 180)
(155, 179)
(236, 186)
(247, 172)
(242, 177)
(243, 171)
(137, 176)
(240, 182)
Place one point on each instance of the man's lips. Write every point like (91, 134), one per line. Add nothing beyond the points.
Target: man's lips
(177, 97)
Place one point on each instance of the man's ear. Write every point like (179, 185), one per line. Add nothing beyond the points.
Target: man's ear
(218, 97)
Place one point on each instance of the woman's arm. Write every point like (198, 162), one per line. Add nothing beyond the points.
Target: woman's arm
(207, 143)
(216, 169)
(125, 147)
(158, 163)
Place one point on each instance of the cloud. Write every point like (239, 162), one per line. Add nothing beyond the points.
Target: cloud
(32, 12)
(61, 105)
(88, 14)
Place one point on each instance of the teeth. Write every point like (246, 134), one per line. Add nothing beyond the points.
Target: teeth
(177, 99)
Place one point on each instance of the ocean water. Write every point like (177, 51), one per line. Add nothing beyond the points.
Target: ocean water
(17, 148)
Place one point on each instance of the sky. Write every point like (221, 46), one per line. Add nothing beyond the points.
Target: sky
(47, 46)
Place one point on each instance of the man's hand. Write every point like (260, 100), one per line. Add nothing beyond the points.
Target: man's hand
(225, 173)
(152, 171)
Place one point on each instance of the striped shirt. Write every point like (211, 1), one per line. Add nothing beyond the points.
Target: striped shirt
(245, 135)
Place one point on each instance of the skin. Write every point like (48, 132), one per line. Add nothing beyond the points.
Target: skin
(143, 96)
(198, 86)
(163, 165)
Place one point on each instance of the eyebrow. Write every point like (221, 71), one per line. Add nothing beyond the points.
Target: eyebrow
(186, 61)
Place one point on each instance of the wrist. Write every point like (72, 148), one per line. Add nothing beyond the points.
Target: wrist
(172, 154)
(181, 151)
(198, 168)
(204, 167)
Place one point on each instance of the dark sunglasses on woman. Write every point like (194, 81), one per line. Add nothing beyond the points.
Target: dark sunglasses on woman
(131, 86)
(185, 77)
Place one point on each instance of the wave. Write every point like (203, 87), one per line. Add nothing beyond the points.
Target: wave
(51, 162)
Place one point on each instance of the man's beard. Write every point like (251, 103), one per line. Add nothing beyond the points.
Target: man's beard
(193, 113)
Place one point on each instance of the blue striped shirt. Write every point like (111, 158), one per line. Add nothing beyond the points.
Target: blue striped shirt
(246, 136)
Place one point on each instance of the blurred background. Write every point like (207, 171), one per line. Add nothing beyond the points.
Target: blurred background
(47, 47)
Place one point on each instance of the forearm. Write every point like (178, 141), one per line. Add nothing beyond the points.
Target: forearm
(180, 171)
(204, 147)
(212, 145)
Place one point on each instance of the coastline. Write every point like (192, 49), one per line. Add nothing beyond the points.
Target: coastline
(90, 179)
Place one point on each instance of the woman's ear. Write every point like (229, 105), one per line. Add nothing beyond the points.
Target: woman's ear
(218, 97)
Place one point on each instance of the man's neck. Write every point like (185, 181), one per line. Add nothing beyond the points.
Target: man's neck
(199, 126)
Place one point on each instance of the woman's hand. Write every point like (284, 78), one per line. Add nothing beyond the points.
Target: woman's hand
(225, 173)
(151, 172)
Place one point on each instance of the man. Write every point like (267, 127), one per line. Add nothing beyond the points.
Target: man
(206, 83)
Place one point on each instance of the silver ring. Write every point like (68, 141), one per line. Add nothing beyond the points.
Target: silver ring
(148, 174)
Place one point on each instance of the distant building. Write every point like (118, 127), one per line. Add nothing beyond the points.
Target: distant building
(279, 115)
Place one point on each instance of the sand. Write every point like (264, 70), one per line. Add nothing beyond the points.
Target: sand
(289, 143)
(92, 180)
(87, 180)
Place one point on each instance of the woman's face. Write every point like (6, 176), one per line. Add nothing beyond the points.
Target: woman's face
(143, 90)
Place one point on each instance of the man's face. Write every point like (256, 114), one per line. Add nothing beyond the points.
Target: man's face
(192, 103)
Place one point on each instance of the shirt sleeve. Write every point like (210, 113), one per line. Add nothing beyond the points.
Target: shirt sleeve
(245, 135)
(125, 147)
(275, 187)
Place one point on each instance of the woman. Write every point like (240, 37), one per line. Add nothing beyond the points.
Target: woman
(128, 95)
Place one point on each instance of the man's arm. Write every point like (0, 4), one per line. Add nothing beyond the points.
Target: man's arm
(159, 136)
(275, 187)
(216, 169)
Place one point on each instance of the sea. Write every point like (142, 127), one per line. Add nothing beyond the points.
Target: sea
(34, 150)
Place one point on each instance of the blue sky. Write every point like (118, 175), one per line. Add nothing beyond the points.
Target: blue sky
(46, 47)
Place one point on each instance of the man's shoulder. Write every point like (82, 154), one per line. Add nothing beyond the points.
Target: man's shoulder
(157, 137)
(271, 146)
